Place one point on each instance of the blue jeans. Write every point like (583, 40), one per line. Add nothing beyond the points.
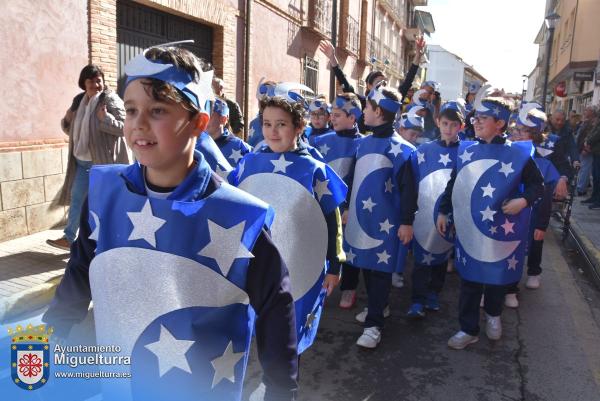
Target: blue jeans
(79, 190)
(585, 171)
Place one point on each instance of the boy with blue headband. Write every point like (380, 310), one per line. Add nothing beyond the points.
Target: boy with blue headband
(232, 147)
(176, 261)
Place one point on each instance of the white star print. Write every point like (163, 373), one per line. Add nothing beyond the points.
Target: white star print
(464, 260)
(493, 230)
(488, 190)
(324, 149)
(506, 169)
(512, 263)
(321, 189)
(378, 96)
(427, 259)
(389, 185)
(241, 168)
(280, 164)
(420, 157)
(385, 226)
(96, 232)
(224, 365)
(170, 352)
(236, 155)
(310, 318)
(496, 111)
(508, 227)
(383, 257)
(145, 225)
(225, 245)
(368, 204)
(488, 214)
(350, 256)
(396, 149)
(445, 159)
(466, 156)
(550, 144)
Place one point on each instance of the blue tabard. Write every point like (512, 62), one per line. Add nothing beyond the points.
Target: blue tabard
(432, 166)
(546, 148)
(232, 147)
(490, 246)
(309, 132)
(301, 190)
(551, 177)
(338, 152)
(212, 154)
(168, 286)
(370, 239)
(255, 135)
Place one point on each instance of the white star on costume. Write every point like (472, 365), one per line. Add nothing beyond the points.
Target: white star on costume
(389, 185)
(488, 190)
(466, 156)
(321, 189)
(427, 259)
(145, 225)
(324, 149)
(222, 246)
(224, 365)
(385, 226)
(236, 155)
(464, 260)
(508, 227)
(280, 164)
(350, 256)
(493, 230)
(383, 257)
(368, 204)
(241, 168)
(378, 96)
(496, 111)
(445, 159)
(170, 352)
(96, 232)
(310, 318)
(512, 263)
(550, 144)
(488, 214)
(506, 169)
(251, 132)
(420, 157)
(396, 149)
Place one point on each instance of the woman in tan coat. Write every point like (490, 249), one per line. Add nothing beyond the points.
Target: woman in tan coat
(94, 123)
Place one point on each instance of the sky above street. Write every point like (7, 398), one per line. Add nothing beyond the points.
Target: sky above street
(495, 37)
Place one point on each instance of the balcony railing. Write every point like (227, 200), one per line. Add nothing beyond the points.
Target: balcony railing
(375, 48)
(353, 34)
(319, 16)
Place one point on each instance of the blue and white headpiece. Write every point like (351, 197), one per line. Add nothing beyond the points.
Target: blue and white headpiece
(197, 90)
(435, 85)
(262, 89)
(411, 120)
(286, 90)
(483, 105)
(220, 107)
(531, 115)
(474, 87)
(317, 104)
(416, 98)
(385, 103)
(457, 105)
(348, 107)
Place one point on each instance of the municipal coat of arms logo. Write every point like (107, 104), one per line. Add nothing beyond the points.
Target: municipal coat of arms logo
(30, 356)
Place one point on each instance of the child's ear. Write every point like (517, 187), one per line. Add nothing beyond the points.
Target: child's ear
(202, 122)
(223, 120)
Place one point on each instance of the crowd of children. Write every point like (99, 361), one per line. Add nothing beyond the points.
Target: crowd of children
(241, 240)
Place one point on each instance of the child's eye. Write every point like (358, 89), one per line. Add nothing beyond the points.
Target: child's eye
(130, 111)
(158, 111)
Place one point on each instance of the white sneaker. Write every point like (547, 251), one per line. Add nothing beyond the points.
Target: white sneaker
(493, 327)
(362, 316)
(397, 280)
(348, 299)
(482, 302)
(511, 301)
(369, 338)
(533, 282)
(461, 339)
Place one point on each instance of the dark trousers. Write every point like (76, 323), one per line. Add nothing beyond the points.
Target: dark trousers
(378, 285)
(426, 280)
(534, 263)
(468, 304)
(350, 276)
(596, 178)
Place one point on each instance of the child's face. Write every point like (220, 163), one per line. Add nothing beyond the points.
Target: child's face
(160, 134)
(373, 117)
(319, 119)
(521, 133)
(215, 123)
(340, 120)
(278, 130)
(449, 129)
(94, 85)
(486, 127)
(409, 135)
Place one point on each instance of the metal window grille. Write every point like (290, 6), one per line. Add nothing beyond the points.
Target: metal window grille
(311, 73)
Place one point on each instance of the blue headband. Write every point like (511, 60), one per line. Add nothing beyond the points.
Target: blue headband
(457, 106)
(489, 108)
(411, 120)
(348, 106)
(220, 107)
(385, 103)
(319, 105)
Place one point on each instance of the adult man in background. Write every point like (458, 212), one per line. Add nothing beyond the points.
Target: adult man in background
(236, 119)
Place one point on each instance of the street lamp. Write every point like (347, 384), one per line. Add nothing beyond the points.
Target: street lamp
(523, 88)
(551, 21)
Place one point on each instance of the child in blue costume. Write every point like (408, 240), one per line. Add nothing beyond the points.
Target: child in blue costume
(177, 262)
(306, 195)
(432, 165)
(490, 193)
(410, 125)
(320, 113)
(530, 126)
(381, 210)
(232, 147)
(339, 151)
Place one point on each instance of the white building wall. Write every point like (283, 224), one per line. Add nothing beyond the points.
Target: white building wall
(446, 69)
(531, 82)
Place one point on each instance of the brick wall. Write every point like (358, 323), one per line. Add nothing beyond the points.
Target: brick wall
(102, 38)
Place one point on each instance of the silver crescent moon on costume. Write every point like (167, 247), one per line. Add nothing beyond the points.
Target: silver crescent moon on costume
(258, 94)
(355, 236)
(524, 111)
(430, 189)
(282, 89)
(125, 283)
(416, 99)
(341, 166)
(477, 245)
(481, 93)
(412, 115)
(303, 243)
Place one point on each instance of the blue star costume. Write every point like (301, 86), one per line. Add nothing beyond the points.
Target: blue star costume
(255, 135)
(313, 133)
(232, 147)
(213, 155)
(267, 171)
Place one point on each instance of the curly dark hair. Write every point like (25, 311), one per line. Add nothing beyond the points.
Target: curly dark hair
(294, 109)
(90, 71)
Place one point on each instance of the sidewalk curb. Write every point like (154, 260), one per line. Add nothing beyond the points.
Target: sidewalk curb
(592, 253)
(27, 300)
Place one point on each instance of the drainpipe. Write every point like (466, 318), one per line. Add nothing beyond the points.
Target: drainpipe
(334, 18)
(247, 47)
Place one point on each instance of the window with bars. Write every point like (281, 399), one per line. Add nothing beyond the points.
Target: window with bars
(311, 73)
